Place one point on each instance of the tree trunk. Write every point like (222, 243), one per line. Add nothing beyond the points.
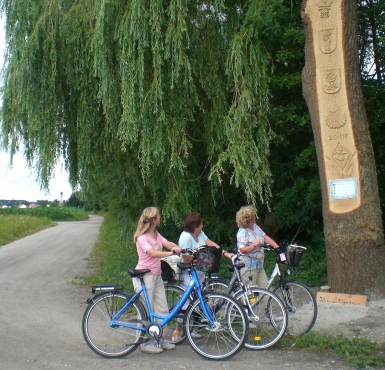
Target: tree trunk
(353, 227)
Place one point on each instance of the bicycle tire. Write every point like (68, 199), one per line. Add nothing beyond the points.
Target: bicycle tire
(173, 294)
(219, 286)
(228, 336)
(301, 307)
(268, 319)
(107, 341)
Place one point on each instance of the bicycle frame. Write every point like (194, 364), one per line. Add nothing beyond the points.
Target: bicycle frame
(282, 283)
(276, 272)
(193, 285)
(237, 280)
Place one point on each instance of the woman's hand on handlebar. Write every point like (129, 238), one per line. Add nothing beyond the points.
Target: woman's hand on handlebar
(176, 250)
(227, 254)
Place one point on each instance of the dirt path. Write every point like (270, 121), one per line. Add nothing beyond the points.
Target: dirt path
(41, 312)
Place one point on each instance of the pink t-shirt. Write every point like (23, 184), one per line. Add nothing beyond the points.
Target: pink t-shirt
(143, 243)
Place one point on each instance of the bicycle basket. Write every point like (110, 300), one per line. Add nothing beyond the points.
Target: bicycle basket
(168, 274)
(208, 259)
(292, 254)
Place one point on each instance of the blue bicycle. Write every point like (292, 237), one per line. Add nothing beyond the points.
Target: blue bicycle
(115, 323)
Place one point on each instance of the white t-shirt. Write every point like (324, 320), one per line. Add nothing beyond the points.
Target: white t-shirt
(186, 240)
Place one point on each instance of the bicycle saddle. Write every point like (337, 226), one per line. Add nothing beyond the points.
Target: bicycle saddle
(138, 273)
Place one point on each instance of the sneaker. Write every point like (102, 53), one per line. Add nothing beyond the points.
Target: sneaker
(275, 318)
(151, 348)
(195, 335)
(168, 346)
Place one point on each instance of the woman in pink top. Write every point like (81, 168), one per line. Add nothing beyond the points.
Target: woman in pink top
(149, 244)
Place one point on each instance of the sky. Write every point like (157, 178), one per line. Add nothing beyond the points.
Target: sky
(19, 182)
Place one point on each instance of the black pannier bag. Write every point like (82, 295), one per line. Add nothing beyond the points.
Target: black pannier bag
(168, 274)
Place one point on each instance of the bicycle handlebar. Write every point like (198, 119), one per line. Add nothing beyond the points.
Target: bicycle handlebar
(279, 250)
(189, 251)
(234, 257)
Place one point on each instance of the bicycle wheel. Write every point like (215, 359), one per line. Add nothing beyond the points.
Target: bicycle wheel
(117, 341)
(227, 337)
(301, 307)
(217, 287)
(173, 294)
(267, 317)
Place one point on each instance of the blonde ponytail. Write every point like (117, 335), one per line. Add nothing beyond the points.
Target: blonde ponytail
(144, 222)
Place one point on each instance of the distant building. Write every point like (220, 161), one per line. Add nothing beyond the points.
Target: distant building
(22, 206)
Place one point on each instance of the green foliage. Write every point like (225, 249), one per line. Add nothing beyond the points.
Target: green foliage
(15, 203)
(358, 352)
(51, 213)
(188, 105)
(75, 200)
(43, 202)
(17, 226)
(134, 92)
(297, 196)
(374, 93)
(371, 26)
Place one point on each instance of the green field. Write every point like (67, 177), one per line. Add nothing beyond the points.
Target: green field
(16, 223)
(52, 213)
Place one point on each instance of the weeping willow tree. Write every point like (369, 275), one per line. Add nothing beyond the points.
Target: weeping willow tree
(146, 100)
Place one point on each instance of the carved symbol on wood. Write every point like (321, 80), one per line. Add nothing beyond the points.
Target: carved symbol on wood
(324, 7)
(332, 80)
(342, 162)
(327, 39)
(335, 118)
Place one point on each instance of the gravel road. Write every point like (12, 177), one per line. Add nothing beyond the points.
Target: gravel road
(41, 312)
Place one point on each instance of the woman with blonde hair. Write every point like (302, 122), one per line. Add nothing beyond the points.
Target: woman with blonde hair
(250, 241)
(149, 245)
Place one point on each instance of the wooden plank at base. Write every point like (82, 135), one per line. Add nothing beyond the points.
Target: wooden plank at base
(338, 298)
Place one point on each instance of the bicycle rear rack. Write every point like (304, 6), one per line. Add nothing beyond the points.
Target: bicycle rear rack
(106, 288)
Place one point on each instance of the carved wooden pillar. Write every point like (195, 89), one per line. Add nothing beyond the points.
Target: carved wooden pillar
(331, 81)
(339, 150)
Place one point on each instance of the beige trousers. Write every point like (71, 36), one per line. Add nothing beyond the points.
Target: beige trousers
(156, 294)
(254, 277)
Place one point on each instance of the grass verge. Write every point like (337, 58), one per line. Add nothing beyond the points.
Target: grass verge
(16, 223)
(358, 352)
(112, 255)
(13, 227)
